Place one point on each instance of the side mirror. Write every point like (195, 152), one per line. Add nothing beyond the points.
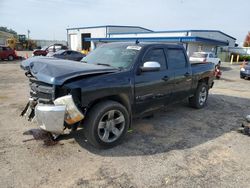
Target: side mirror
(150, 66)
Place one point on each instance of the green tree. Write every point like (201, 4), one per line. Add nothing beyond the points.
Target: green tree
(5, 29)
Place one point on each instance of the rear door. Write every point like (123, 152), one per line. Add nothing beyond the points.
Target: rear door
(153, 89)
(178, 64)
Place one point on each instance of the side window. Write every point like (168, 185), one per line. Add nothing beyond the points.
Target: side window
(211, 55)
(1, 48)
(74, 53)
(4, 49)
(176, 59)
(51, 49)
(156, 55)
(69, 52)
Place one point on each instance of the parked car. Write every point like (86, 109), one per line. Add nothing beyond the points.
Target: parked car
(115, 82)
(68, 54)
(49, 49)
(205, 57)
(7, 53)
(245, 71)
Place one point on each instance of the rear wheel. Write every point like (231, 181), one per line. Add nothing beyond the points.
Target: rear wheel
(106, 124)
(10, 57)
(200, 97)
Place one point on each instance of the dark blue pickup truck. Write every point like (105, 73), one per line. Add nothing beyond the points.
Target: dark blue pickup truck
(110, 86)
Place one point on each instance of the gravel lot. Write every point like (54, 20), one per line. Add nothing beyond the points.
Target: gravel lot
(178, 147)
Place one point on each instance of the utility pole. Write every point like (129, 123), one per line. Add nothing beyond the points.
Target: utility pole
(28, 34)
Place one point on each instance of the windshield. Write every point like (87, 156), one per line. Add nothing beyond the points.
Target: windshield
(114, 55)
(44, 48)
(199, 55)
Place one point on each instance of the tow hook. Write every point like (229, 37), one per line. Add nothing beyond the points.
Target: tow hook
(29, 109)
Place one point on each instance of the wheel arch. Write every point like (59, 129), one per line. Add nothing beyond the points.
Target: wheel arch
(204, 80)
(121, 98)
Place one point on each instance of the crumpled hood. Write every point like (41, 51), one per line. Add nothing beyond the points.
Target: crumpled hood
(57, 71)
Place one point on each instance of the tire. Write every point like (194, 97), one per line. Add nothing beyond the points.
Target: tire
(10, 57)
(200, 97)
(100, 127)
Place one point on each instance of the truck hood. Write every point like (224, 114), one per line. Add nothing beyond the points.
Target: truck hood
(57, 71)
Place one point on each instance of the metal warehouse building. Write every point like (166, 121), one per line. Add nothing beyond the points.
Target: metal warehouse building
(88, 38)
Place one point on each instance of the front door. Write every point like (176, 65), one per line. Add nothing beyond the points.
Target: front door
(153, 89)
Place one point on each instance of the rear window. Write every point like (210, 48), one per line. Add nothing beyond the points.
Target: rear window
(176, 59)
(199, 55)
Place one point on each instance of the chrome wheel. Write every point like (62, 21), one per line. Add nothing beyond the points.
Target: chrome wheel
(111, 126)
(202, 96)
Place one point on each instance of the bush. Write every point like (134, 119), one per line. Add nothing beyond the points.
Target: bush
(244, 57)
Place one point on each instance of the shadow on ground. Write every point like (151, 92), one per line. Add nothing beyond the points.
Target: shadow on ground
(225, 68)
(177, 127)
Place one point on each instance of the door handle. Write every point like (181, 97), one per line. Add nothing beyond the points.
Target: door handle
(165, 78)
(187, 74)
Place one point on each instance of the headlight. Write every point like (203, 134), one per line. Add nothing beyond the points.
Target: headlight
(72, 115)
(242, 69)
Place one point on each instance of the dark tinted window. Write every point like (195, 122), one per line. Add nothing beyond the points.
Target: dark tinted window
(69, 52)
(156, 55)
(176, 59)
(74, 53)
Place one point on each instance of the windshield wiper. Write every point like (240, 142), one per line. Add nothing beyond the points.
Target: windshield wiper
(104, 64)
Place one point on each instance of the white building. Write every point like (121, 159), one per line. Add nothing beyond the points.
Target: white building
(87, 38)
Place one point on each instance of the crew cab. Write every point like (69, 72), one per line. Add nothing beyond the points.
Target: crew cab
(205, 57)
(112, 84)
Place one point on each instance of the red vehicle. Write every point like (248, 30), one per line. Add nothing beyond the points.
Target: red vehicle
(49, 49)
(7, 53)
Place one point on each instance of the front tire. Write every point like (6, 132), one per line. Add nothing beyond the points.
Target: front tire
(200, 97)
(10, 58)
(106, 124)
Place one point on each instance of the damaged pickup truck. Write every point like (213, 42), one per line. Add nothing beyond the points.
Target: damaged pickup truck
(115, 82)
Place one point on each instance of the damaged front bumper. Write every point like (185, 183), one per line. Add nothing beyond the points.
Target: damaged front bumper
(51, 117)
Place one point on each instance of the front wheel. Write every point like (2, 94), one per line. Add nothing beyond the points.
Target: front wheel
(106, 124)
(200, 97)
(10, 58)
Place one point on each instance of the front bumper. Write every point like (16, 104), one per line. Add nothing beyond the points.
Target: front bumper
(50, 117)
(245, 73)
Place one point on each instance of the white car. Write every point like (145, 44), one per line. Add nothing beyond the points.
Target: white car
(205, 57)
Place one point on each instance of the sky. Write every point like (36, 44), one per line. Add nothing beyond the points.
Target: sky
(49, 19)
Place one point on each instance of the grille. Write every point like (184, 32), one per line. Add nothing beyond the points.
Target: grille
(42, 92)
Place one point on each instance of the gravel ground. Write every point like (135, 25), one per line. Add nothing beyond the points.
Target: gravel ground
(178, 147)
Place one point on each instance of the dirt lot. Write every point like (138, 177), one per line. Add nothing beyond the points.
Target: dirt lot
(179, 147)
